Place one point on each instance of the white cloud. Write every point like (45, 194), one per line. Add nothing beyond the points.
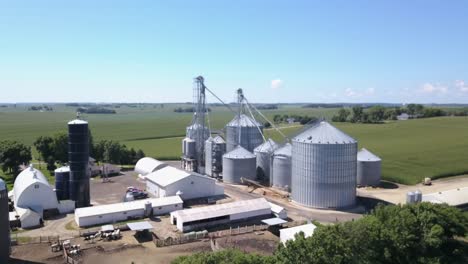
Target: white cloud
(359, 93)
(434, 88)
(276, 84)
(461, 86)
(350, 92)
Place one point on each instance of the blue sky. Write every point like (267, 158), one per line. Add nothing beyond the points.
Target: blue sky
(278, 51)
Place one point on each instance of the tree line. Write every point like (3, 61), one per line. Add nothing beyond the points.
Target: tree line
(378, 113)
(54, 149)
(415, 233)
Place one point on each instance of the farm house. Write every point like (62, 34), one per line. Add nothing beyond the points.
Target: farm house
(148, 165)
(170, 181)
(203, 217)
(112, 213)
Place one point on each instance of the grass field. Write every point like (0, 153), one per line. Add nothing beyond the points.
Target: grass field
(411, 150)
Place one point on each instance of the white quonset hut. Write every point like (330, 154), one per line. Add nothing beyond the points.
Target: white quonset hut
(203, 217)
(148, 165)
(290, 233)
(170, 181)
(112, 213)
(368, 168)
(32, 191)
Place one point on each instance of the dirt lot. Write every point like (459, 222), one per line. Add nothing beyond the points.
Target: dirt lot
(129, 249)
(114, 190)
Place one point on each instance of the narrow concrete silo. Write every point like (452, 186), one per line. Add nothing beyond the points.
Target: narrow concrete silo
(368, 168)
(239, 163)
(324, 167)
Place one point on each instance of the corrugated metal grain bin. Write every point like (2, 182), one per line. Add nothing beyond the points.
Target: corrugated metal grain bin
(368, 168)
(215, 148)
(238, 164)
(324, 167)
(281, 167)
(250, 133)
(263, 153)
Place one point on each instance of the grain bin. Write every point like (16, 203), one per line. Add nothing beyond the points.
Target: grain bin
(4, 224)
(190, 148)
(281, 167)
(324, 167)
(215, 148)
(368, 168)
(251, 137)
(78, 158)
(62, 180)
(263, 154)
(237, 164)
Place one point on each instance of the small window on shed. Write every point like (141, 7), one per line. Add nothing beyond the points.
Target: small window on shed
(159, 207)
(192, 182)
(124, 213)
(36, 186)
(100, 216)
(176, 205)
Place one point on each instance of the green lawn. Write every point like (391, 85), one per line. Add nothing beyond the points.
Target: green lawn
(411, 150)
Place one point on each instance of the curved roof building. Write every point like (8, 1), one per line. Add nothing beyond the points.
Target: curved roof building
(32, 190)
(324, 167)
(148, 165)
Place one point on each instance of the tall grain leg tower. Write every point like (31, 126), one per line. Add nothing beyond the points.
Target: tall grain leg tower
(193, 146)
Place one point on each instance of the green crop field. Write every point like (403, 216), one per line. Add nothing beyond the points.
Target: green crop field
(411, 150)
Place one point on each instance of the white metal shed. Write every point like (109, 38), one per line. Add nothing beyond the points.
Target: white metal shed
(202, 217)
(170, 181)
(112, 213)
(289, 233)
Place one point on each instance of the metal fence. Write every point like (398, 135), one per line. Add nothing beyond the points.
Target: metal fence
(183, 239)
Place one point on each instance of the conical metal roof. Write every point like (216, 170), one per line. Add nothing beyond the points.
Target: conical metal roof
(267, 147)
(285, 150)
(365, 155)
(324, 133)
(245, 121)
(219, 140)
(77, 122)
(239, 153)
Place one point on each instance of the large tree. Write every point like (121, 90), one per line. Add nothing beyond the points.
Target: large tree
(13, 154)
